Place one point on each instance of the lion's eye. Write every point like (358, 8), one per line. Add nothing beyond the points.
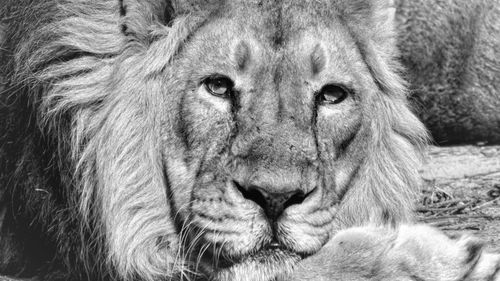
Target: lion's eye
(218, 86)
(332, 94)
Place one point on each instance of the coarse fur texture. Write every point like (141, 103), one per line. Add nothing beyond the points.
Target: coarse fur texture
(408, 253)
(451, 49)
(117, 163)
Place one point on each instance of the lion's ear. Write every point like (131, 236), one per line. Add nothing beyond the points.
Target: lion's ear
(372, 18)
(140, 18)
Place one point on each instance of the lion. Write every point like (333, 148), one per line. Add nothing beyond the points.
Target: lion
(197, 140)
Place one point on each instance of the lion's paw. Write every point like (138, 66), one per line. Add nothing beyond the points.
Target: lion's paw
(412, 252)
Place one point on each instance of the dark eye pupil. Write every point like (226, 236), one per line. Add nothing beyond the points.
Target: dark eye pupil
(333, 94)
(219, 86)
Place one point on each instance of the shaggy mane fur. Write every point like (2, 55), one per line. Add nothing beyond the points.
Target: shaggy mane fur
(80, 146)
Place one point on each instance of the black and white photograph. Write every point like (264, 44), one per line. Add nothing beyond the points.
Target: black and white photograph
(249, 140)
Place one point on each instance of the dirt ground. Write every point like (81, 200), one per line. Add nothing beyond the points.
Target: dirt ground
(462, 191)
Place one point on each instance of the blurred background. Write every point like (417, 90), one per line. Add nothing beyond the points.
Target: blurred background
(451, 50)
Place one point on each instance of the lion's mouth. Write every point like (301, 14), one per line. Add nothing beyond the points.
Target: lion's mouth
(247, 230)
(273, 252)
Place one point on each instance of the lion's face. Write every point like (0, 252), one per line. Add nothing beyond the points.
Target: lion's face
(266, 132)
(235, 136)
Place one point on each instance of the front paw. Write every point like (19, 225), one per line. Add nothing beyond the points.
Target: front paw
(409, 253)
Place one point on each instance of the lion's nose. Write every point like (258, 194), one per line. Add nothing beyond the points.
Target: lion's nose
(273, 203)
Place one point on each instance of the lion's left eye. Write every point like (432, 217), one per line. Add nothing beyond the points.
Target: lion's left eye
(333, 94)
(218, 86)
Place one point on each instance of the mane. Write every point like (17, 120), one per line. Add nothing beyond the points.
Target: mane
(92, 73)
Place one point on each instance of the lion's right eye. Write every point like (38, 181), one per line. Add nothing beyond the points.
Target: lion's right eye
(218, 86)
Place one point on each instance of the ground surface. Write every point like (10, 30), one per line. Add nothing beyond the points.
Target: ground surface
(462, 191)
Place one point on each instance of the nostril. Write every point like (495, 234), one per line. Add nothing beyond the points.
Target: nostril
(273, 203)
(252, 194)
(296, 199)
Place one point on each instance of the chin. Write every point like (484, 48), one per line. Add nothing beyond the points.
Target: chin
(263, 265)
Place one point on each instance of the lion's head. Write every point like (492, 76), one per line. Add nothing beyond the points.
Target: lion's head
(223, 137)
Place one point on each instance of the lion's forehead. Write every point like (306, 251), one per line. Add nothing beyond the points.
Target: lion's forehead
(282, 64)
